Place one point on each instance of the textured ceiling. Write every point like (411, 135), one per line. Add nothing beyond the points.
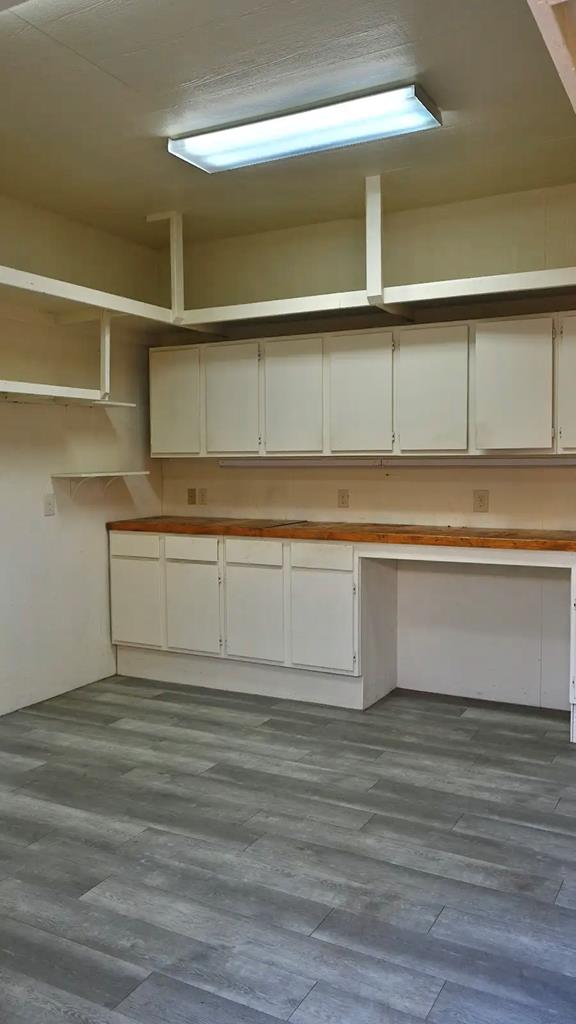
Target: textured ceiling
(89, 90)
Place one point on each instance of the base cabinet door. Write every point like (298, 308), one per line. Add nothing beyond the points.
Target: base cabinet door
(193, 607)
(255, 612)
(322, 602)
(136, 601)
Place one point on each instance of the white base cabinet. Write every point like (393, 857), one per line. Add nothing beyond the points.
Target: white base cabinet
(271, 601)
(136, 601)
(193, 607)
(322, 630)
(284, 617)
(255, 612)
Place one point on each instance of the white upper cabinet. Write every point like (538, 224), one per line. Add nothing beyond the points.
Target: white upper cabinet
(232, 398)
(294, 395)
(359, 368)
(567, 384)
(431, 377)
(514, 365)
(175, 401)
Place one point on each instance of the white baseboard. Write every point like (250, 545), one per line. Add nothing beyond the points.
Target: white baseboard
(242, 677)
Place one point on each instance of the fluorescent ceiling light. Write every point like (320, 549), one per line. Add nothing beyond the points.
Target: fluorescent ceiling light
(346, 123)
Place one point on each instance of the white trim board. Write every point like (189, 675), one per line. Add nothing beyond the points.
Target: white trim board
(494, 284)
(275, 307)
(51, 286)
(242, 677)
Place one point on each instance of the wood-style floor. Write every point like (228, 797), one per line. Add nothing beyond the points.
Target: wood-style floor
(178, 856)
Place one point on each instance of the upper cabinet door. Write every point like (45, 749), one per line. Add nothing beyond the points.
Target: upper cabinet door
(175, 401)
(432, 389)
(360, 381)
(232, 413)
(567, 383)
(293, 395)
(514, 384)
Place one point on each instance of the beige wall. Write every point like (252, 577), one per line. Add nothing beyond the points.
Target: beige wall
(45, 243)
(500, 234)
(54, 622)
(518, 497)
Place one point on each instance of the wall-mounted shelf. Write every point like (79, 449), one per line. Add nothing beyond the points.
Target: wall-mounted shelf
(77, 480)
(25, 397)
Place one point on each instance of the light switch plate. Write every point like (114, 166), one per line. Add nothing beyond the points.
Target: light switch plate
(343, 498)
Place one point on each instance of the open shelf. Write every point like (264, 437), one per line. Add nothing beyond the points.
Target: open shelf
(89, 403)
(20, 392)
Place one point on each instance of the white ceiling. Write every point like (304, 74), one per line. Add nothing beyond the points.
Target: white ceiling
(89, 90)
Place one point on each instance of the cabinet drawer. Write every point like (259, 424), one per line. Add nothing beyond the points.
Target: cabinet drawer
(323, 556)
(191, 549)
(135, 545)
(254, 552)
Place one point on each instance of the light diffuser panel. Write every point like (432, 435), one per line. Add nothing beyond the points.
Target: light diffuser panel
(346, 123)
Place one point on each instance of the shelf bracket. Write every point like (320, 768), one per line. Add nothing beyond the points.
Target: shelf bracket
(374, 241)
(176, 224)
(373, 213)
(105, 354)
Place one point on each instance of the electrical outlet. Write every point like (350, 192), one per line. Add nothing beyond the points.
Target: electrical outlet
(49, 504)
(480, 501)
(202, 495)
(191, 499)
(343, 498)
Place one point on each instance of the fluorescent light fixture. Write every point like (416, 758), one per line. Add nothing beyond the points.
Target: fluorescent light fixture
(344, 123)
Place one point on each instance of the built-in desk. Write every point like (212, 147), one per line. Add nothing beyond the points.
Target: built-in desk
(341, 613)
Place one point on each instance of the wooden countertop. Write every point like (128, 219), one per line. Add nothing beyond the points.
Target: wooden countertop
(360, 533)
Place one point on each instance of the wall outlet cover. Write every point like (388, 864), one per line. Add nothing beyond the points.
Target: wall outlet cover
(49, 504)
(202, 495)
(191, 496)
(480, 501)
(343, 498)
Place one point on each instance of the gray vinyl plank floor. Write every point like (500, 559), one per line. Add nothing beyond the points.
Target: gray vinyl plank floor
(172, 855)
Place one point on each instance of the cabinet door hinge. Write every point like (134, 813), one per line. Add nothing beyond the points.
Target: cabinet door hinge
(259, 354)
(554, 332)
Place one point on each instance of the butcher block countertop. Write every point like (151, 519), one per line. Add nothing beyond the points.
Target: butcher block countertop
(359, 533)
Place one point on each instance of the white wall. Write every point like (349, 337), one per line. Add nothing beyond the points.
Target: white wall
(487, 632)
(54, 632)
(530, 230)
(543, 498)
(45, 243)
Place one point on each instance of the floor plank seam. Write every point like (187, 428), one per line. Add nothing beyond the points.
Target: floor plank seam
(296, 1008)
(431, 1010)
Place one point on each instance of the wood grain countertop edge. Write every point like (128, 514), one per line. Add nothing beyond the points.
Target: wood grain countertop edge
(357, 533)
